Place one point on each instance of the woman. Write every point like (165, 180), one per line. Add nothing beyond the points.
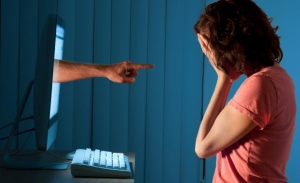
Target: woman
(252, 134)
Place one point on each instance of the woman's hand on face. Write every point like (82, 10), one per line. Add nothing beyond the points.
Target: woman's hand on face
(233, 75)
(207, 51)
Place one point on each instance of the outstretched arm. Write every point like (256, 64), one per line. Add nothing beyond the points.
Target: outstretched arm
(122, 72)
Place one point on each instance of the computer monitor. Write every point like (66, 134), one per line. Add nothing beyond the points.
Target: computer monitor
(46, 93)
(45, 99)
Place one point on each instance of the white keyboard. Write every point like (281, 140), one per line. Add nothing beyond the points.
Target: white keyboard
(96, 163)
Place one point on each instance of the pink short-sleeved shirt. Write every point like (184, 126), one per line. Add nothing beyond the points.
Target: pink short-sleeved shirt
(268, 98)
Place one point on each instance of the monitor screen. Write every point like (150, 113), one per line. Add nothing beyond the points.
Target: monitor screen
(46, 93)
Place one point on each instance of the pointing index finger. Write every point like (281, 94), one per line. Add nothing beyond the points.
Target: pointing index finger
(141, 66)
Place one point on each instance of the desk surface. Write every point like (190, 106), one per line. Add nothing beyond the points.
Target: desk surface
(56, 176)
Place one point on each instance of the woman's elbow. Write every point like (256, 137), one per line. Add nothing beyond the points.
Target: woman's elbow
(202, 152)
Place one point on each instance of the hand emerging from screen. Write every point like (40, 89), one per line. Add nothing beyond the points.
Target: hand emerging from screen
(125, 72)
(122, 72)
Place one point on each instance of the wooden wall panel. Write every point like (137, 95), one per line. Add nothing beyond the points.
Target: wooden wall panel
(9, 68)
(119, 93)
(101, 94)
(154, 145)
(138, 90)
(82, 101)
(28, 45)
(191, 95)
(173, 90)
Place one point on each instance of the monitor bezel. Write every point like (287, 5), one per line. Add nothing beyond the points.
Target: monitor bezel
(45, 127)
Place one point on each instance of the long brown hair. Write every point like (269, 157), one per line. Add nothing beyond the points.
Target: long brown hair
(241, 35)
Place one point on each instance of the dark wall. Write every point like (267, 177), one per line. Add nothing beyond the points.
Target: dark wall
(157, 117)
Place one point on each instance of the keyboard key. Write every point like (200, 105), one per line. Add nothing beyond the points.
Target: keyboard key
(108, 162)
(97, 157)
(116, 163)
(87, 156)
